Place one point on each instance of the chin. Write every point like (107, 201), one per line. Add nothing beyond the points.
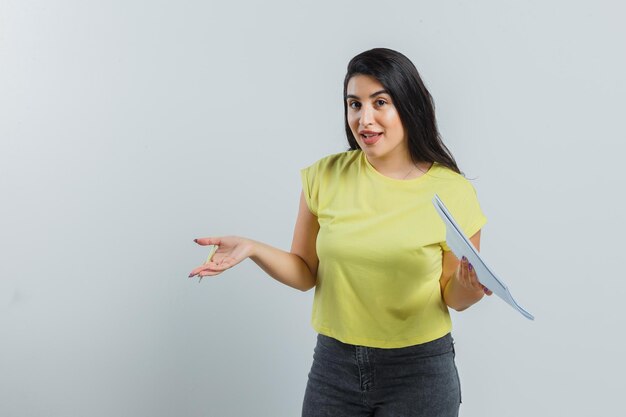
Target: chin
(372, 153)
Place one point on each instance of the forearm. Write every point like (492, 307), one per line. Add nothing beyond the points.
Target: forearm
(459, 297)
(284, 267)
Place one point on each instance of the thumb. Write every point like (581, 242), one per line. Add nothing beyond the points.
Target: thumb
(204, 241)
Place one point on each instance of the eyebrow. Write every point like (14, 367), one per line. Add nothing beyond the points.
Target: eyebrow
(371, 95)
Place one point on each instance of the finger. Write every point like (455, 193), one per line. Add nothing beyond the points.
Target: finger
(203, 268)
(474, 278)
(209, 273)
(204, 241)
(465, 272)
(213, 266)
(487, 291)
(457, 274)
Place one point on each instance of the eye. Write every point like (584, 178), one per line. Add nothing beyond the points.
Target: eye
(380, 102)
(354, 105)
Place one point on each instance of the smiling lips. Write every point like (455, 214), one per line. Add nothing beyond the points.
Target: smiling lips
(370, 137)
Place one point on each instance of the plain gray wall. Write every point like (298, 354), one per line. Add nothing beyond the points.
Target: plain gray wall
(128, 128)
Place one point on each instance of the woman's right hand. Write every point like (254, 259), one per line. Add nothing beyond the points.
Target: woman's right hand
(231, 251)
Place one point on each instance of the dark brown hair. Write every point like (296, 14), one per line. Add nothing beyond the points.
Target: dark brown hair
(410, 97)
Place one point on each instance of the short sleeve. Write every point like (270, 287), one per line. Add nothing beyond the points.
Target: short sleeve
(464, 206)
(310, 187)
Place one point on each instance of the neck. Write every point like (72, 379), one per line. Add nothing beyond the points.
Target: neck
(397, 166)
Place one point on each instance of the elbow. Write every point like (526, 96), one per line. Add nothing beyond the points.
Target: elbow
(454, 304)
(308, 286)
(458, 308)
(309, 272)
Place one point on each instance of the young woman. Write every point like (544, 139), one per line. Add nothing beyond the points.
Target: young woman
(369, 240)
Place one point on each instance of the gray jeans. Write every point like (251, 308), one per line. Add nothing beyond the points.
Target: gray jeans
(353, 381)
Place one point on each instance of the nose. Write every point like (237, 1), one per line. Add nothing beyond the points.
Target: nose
(367, 116)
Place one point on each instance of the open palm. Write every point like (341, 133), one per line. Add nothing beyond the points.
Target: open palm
(231, 251)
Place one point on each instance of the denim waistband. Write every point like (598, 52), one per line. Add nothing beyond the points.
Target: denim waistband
(438, 346)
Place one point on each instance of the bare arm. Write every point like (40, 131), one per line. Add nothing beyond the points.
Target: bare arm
(459, 284)
(297, 269)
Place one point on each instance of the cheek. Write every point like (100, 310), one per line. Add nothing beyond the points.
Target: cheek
(353, 122)
(392, 120)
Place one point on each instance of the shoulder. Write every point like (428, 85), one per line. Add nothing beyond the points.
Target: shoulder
(335, 162)
(324, 176)
(451, 182)
(460, 197)
(444, 174)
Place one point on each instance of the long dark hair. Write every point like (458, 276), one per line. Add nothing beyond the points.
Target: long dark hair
(410, 97)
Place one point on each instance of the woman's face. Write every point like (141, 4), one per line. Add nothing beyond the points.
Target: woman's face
(373, 119)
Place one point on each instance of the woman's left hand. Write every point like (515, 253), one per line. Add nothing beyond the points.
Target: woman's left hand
(465, 275)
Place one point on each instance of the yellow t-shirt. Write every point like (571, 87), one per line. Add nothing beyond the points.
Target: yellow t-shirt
(380, 249)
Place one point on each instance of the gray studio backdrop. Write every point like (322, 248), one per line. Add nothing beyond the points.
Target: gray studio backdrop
(128, 128)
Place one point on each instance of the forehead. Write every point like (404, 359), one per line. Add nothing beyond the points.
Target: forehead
(363, 85)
